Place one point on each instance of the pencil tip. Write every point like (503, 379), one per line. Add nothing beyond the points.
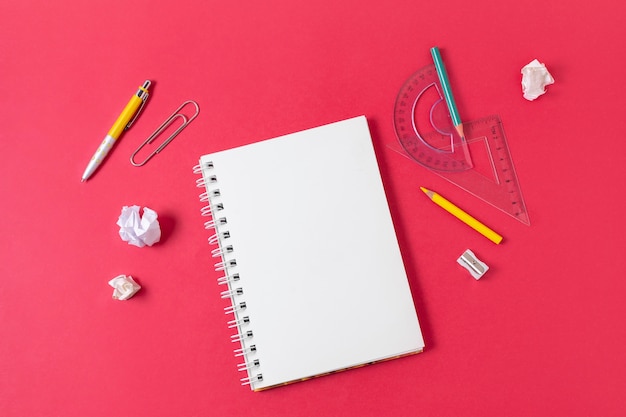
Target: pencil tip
(428, 192)
(459, 128)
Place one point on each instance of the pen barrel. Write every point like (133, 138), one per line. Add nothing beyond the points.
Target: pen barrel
(123, 119)
(98, 156)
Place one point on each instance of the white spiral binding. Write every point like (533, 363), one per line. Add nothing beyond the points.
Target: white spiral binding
(228, 264)
(251, 379)
(235, 308)
(220, 252)
(238, 323)
(232, 293)
(245, 350)
(228, 279)
(199, 168)
(247, 366)
(211, 224)
(217, 237)
(239, 337)
(200, 182)
(224, 265)
(206, 211)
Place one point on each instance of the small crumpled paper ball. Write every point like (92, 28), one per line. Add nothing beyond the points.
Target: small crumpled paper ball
(124, 287)
(139, 230)
(535, 78)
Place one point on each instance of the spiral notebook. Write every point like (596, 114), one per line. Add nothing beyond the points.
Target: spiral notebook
(307, 254)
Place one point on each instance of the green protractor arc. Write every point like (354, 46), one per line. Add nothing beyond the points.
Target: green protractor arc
(480, 163)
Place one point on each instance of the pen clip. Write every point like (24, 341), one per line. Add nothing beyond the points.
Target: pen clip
(144, 97)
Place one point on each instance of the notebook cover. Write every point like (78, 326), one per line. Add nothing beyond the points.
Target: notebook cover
(316, 254)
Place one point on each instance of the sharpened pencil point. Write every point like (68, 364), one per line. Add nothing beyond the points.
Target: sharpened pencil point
(427, 192)
(459, 128)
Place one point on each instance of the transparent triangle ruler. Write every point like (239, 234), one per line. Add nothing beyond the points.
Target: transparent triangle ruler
(480, 163)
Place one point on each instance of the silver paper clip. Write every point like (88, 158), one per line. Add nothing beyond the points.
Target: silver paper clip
(470, 262)
(186, 120)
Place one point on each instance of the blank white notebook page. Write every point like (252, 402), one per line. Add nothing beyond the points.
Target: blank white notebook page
(316, 253)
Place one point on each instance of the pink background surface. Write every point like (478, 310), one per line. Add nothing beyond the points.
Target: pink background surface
(541, 334)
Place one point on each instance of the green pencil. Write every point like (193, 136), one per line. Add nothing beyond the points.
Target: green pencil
(447, 91)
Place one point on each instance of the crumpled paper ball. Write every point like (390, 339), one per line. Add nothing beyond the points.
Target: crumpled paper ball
(535, 78)
(139, 230)
(124, 287)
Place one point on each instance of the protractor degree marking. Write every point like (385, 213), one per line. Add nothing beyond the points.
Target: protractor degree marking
(430, 142)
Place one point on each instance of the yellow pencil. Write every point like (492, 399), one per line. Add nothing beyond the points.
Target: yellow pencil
(463, 216)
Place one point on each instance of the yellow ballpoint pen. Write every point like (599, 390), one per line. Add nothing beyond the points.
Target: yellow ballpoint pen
(123, 122)
(463, 216)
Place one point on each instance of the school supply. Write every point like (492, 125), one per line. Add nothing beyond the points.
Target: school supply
(447, 89)
(123, 122)
(472, 264)
(479, 163)
(309, 255)
(178, 114)
(462, 215)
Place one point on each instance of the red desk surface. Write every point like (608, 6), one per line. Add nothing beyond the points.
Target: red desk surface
(542, 334)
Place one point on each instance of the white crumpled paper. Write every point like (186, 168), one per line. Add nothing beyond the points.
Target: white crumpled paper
(124, 287)
(136, 230)
(535, 78)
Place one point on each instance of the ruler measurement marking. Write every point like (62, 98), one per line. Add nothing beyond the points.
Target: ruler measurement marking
(450, 161)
